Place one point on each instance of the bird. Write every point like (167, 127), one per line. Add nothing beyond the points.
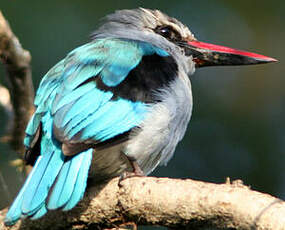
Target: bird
(116, 106)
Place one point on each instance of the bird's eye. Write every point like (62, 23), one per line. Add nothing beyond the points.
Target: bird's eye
(167, 32)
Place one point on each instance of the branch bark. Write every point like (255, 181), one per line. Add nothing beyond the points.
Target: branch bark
(175, 203)
(19, 78)
(5, 102)
(182, 204)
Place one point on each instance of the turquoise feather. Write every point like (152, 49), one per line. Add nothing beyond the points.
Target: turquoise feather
(65, 183)
(78, 111)
(109, 121)
(81, 120)
(15, 210)
(68, 97)
(38, 214)
(69, 100)
(81, 182)
(45, 174)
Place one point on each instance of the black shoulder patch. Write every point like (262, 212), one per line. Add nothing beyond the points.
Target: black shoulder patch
(152, 73)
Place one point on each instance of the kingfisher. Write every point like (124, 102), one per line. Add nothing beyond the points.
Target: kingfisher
(116, 106)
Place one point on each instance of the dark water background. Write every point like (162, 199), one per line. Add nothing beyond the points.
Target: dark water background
(237, 128)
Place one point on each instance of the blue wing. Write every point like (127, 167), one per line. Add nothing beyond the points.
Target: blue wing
(76, 103)
(81, 110)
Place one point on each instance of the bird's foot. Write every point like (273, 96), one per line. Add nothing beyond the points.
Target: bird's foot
(137, 172)
(126, 175)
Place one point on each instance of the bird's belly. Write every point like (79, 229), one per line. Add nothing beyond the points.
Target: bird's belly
(108, 163)
(154, 142)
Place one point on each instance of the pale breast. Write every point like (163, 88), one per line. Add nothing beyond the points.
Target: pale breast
(154, 142)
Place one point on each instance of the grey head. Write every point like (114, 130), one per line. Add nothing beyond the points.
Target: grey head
(146, 25)
(168, 33)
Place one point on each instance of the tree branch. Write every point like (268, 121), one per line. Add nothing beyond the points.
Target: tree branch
(5, 102)
(175, 203)
(17, 64)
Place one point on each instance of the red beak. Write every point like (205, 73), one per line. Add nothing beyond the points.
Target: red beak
(205, 54)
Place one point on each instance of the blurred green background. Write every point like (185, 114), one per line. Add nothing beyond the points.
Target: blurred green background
(237, 126)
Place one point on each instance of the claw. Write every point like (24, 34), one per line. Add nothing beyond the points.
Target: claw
(137, 172)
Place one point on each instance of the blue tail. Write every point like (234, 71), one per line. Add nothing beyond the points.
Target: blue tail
(55, 182)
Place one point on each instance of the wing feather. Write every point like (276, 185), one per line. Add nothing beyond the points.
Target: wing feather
(81, 110)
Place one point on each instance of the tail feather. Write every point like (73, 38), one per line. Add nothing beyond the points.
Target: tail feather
(42, 211)
(63, 188)
(68, 179)
(81, 181)
(45, 175)
(15, 210)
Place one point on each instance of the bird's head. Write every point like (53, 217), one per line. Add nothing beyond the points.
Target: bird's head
(168, 33)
